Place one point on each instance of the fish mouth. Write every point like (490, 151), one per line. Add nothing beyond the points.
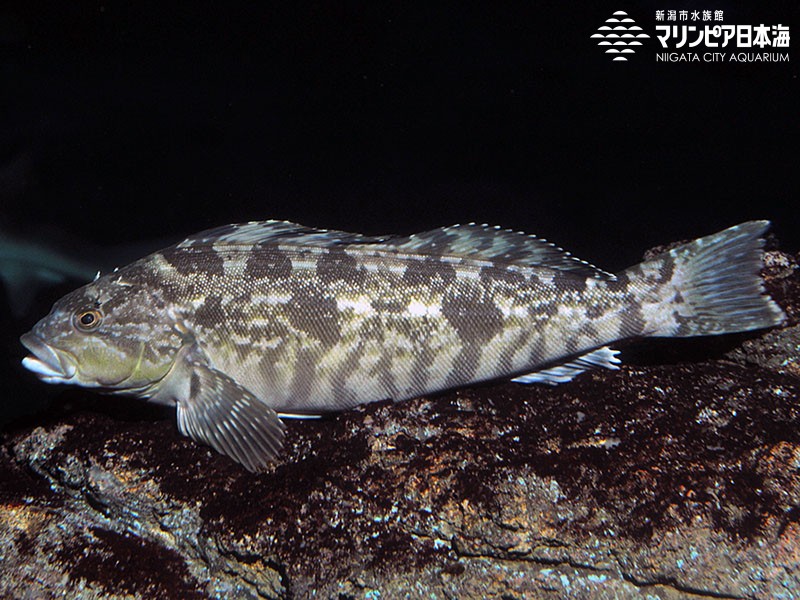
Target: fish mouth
(49, 364)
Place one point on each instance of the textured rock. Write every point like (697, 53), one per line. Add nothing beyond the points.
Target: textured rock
(678, 475)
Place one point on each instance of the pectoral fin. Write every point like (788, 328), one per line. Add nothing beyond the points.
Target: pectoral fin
(221, 413)
(213, 409)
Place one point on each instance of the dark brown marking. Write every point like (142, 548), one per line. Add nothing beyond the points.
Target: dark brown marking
(569, 282)
(383, 371)
(344, 397)
(243, 351)
(465, 366)
(596, 310)
(304, 375)
(143, 272)
(195, 259)
(268, 358)
(505, 275)
(571, 344)
(388, 305)
(549, 309)
(688, 326)
(422, 272)
(533, 280)
(421, 369)
(633, 322)
(372, 328)
(243, 298)
(316, 315)
(268, 262)
(337, 265)
(504, 366)
(589, 330)
(476, 318)
(210, 313)
(418, 272)
(194, 385)
(270, 330)
(621, 283)
(236, 317)
(536, 353)
(667, 269)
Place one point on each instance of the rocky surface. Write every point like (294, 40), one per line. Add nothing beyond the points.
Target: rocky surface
(676, 477)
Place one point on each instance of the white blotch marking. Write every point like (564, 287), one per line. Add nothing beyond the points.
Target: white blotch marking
(418, 309)
(575, 314)
(545, 276)
(360, 305)
(304, 262)
(468, 274)
(651, 270)
(233, 267)
(272, 299)
(396, 268)
(270, 343)
(509, 309)
(197, 301)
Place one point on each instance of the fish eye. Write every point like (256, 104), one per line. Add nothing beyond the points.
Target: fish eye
(87, 320)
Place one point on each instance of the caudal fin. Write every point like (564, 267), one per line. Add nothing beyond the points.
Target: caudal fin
(715, 285)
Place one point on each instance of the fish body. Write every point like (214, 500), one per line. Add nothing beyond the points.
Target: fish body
(239, 324)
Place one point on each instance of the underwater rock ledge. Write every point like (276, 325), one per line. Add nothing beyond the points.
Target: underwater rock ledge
(678, 475)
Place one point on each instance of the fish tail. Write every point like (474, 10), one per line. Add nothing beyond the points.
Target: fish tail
(709, 286)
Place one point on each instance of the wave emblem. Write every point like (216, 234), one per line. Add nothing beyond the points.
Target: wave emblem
(619, 36)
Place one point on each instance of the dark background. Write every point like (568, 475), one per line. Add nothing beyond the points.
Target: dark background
(122, 122)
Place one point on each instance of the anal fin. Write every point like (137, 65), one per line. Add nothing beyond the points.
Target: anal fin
(603, 357)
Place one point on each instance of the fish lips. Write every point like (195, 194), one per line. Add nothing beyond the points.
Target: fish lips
(49, 364)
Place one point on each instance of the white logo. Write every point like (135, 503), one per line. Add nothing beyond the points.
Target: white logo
(717, 42)
(619, 35)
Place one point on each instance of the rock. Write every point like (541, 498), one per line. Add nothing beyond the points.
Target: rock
(664, 480)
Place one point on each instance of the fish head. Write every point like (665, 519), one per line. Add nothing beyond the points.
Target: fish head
(109, 334)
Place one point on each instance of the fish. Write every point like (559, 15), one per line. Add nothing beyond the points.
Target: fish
(245, 324)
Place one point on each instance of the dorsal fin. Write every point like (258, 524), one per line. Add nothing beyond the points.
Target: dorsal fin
(272, 232)
(480, 242)
(485, 242)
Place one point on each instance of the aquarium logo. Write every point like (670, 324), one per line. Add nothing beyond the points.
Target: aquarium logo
(620, 36)
(718, 42)
(695, 36)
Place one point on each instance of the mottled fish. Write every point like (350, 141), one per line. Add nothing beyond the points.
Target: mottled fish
(240, 325)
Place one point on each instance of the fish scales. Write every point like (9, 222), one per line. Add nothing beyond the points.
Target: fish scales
(439, 324)
(237, 324)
